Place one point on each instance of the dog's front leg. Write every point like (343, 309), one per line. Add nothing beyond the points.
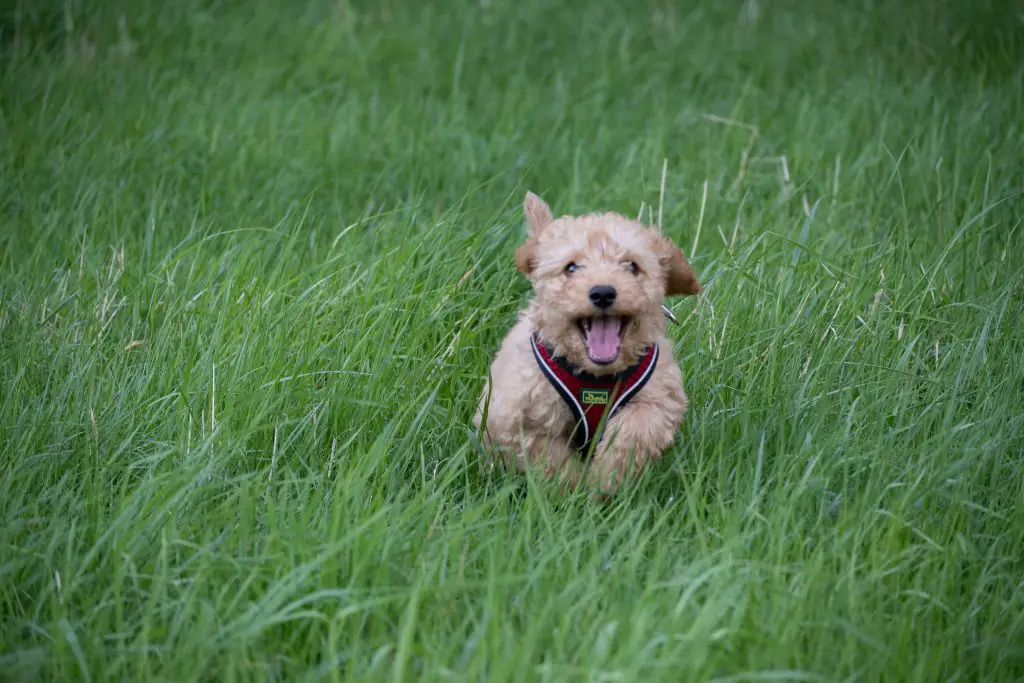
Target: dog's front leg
(548, 456)
(553, 456)
(633, 437)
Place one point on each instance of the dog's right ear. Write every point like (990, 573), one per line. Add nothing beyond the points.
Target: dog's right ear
(538, 217)
(538, 214)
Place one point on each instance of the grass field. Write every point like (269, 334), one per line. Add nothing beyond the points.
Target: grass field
(255, 259)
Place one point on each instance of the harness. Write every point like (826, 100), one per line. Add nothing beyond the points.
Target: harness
(588, 396)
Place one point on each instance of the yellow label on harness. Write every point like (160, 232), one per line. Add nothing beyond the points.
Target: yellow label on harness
(595, 396)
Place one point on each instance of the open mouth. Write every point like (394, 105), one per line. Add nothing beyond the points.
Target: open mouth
(603, 336)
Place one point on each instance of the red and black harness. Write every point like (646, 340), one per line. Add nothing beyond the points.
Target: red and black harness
(588, 396)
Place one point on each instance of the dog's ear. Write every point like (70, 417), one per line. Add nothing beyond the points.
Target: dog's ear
(538, 217)
(526, 256)
(679, 275)
(538, 214)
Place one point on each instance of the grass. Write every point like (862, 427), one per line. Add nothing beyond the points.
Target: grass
(255, 258)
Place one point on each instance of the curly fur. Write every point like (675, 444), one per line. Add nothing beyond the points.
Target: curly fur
(527, 422)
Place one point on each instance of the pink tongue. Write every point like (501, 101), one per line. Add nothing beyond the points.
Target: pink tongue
(603, 339)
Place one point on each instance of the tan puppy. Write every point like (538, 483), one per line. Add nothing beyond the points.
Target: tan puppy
(587, 376)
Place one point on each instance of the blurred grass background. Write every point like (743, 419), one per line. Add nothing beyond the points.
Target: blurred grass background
(255, 258)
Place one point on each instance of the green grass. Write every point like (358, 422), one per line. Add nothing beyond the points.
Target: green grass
(255, 258)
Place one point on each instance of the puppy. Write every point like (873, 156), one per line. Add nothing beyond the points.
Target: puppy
(585, 386)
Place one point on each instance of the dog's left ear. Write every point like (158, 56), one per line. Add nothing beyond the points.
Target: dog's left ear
(538, 217)
(679, 275)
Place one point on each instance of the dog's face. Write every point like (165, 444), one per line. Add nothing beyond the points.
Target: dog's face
(599, 282)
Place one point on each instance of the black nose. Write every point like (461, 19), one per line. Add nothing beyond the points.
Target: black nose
(602, 296)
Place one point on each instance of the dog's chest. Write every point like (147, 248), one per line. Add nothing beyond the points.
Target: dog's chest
(546, 409)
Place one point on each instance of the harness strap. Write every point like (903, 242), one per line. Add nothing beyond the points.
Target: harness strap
(588, 396)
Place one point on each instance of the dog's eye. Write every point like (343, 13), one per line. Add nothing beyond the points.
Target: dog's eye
(571, 268)
(633, 267)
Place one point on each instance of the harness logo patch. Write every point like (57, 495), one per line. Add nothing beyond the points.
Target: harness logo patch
(595, 396)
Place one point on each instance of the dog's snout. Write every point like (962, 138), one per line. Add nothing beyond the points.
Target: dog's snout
(602, 296)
